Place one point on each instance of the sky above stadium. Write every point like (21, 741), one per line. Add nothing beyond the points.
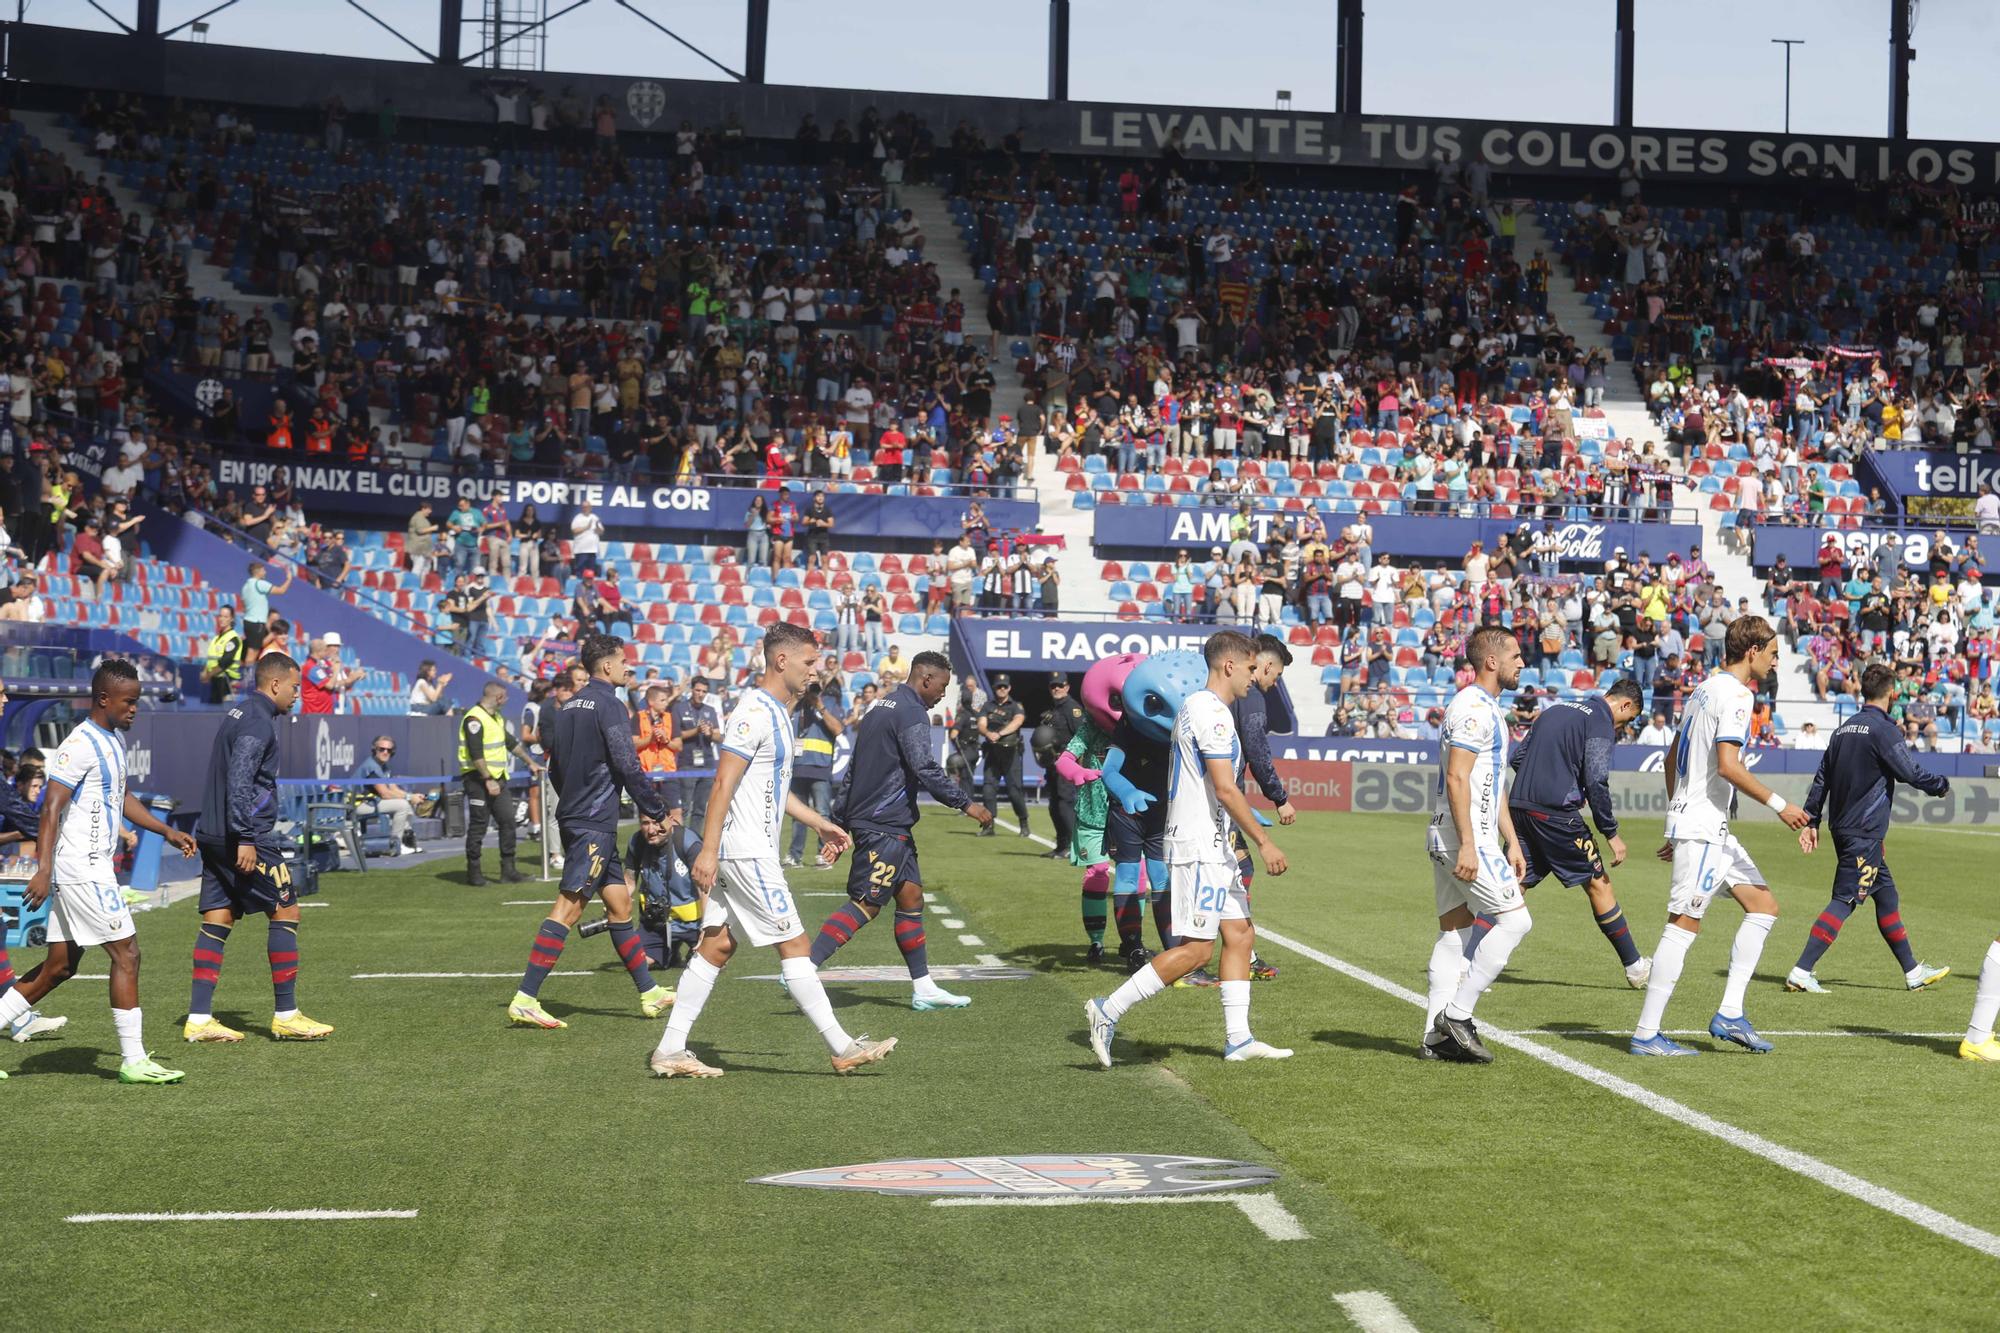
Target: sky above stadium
(1703, 64)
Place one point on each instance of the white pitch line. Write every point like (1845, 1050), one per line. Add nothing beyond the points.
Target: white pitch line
(972, 941)
(1264, 1211)
(268, 1215)
(446, 976)
(951, 923)
(526, 902)
(930, 897)
(1372, 1312)
(315, 904)
(1703, 1032)
(988, 960)
(1875, 1196)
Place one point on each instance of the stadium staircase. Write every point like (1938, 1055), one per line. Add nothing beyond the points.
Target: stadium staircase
(945, 247)
(61, 137)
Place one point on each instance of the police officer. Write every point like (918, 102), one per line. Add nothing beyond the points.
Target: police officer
(225, 658)
(962, 763)
(1854, 792)
(696, 726)
(1058, 727)
(1000, 739)
(484, 748)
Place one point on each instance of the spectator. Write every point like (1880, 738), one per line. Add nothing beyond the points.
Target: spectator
(464, 525)
(323, 679)
(381, 796)
(419, 541)
(427, 697)
(256, 595)
(586, 538)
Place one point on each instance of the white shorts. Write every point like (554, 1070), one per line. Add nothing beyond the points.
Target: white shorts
(1204, 895)
(751, 898)
(83, 912)
(1704, 870)
(1496, 888)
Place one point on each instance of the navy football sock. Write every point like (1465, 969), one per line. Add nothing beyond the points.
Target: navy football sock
(281, 942)
(1126, 906)
(838, 930)
(632, 953)
(208, 945)
(1481, 927)
(542, 955)
(1889, 920)
(1612, 923)
(910, 939)
(1823, 933)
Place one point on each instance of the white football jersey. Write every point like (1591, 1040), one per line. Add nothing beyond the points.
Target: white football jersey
(1197, 825)
(760, 731)
(1704, 801)
(91, 763)
(1474, 721)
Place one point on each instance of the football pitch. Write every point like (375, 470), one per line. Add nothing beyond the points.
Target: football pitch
(540, 1179)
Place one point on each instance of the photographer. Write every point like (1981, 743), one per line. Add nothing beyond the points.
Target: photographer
(1000, 739)
(817, 727)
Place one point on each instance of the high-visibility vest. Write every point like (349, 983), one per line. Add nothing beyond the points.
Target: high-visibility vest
(493, 742)
(225, 656)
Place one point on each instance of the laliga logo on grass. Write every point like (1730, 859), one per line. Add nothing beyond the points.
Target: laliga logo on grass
(645, 100)
(329, 752)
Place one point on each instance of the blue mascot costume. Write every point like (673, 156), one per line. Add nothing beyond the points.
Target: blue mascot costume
(1135, 773)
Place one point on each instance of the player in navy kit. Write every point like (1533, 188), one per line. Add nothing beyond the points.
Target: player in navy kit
(878, 806)
(1855, 790)
(1563, 764)
(243, 866)
(591, 759)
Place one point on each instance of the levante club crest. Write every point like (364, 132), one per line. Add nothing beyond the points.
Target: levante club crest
(1098, 1175)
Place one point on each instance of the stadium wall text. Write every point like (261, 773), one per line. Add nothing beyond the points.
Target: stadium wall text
(73, 58)
(339, 488)
(1146, 529)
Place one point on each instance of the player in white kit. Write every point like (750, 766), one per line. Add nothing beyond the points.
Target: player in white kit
(1705, 772)
(1476, 863)
(1204, 795)
(82, 810)
(738, 874)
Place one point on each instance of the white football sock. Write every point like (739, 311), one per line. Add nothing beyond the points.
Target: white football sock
(923, 985)
(1986, 1007)
(198, 1019)
(1235, 1012)
(1668, 959)
(1447, 965)
(1509, 929)
(697, 981)
(131, 1045)
(1141, 985)
(807, 992)
(12, 1005)
(285, 1013)
(1743, 956)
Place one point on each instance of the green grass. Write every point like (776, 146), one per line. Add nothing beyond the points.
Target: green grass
(558, 1186)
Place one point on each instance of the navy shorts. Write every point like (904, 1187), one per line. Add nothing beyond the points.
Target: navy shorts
(590, 861)
(882, 863)
(1860, 872)
(1135, 837)
(264, 888)
(1558, 845)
